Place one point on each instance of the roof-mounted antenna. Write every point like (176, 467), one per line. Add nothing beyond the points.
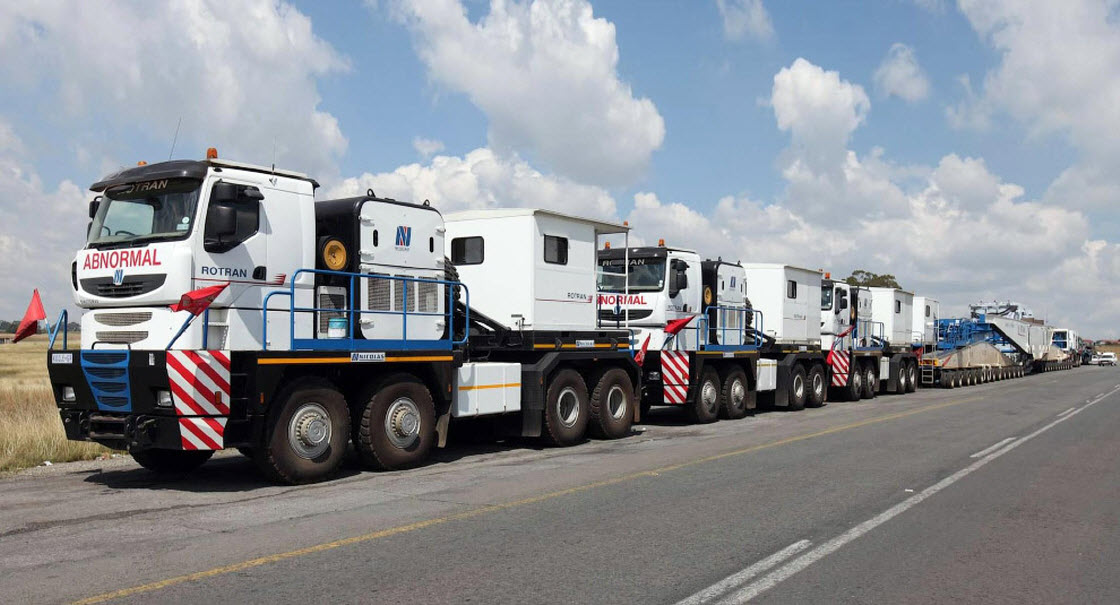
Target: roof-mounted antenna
(370, 193)
(427, 203)
(175, 138)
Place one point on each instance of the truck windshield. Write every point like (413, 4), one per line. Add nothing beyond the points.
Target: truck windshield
(151, 210)
(646, 275)
(826, 298)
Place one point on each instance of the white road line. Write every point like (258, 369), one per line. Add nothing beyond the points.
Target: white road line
(1060, 414)
(734, 580)
(782, 573)
(993, 447)
(1100, 395)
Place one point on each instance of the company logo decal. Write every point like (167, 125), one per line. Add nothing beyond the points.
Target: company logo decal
(118, 277)
(404, 237)
(112, 259)
(225, 272)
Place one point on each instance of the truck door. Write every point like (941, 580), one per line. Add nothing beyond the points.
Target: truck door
(234, 250)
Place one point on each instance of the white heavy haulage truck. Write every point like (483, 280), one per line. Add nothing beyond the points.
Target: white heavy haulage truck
(852, 338)
(745, 330)
(342, 321)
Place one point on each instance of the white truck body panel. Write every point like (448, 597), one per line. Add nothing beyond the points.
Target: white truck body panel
(894, 308)
(487, 388)
(793, 319)
(514, 284)
(731, 293)
(402, 241)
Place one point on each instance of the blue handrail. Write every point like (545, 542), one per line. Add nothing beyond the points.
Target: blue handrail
(352, 309)
(63, 319)
(742, 331)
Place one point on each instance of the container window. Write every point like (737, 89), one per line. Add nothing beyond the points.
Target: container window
(927, 310)
(791, 289)
(555, 250)
(898, 306)
(467, 251)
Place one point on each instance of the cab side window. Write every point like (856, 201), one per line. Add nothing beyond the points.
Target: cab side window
(233, 216)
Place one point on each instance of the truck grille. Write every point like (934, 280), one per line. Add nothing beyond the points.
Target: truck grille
(610, 315)
(132, 286)
(107, 375)
(123, 337)
(122, 319)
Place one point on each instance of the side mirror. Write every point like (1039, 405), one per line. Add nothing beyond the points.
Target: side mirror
(94, 204)
(223, 192)
(221, 222)
(843, 304)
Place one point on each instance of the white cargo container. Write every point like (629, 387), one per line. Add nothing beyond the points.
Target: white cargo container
(924, 325)
(789, 298)
(527, 267)
(894, 309)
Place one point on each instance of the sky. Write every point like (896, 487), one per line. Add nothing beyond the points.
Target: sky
(967, 148)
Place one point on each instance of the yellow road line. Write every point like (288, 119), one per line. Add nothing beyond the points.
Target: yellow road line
(401, 529)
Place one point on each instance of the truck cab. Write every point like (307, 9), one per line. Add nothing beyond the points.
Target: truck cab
(665, 284)
(842, 307)
(158, 231)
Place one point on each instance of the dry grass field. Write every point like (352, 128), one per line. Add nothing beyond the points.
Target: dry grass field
(30, 429)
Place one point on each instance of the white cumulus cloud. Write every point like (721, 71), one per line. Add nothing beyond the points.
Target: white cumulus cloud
(426, 147)
(743, 18)
(545, 73)
(482, 179)
(900, 75)
(241, 74)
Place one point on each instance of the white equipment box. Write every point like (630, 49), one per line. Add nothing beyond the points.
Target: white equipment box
(926, 313)
(528, 268)
(487, 388)
(894, 309)
(789, 298)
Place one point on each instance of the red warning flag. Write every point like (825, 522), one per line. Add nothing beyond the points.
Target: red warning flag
(677, 325)
(30, 323)
(197, 301)
(640, 358)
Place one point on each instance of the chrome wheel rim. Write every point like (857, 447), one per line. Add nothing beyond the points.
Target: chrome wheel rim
(709, 395)
(309, 431)
(567, 407)
(857, 381)
(402, 423)
(616, 402)
(818, 385)
(798, 387)
(738, 394)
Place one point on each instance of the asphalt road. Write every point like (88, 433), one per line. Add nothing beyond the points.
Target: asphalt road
(1005, 492)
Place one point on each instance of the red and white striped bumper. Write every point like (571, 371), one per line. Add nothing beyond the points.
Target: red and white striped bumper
(674, 376)
(201, 394)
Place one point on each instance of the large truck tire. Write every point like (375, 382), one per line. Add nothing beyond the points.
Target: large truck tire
(911, 376)
(705, 402)
(854, 389)
(818, 386)
(171, 461)
(612, 405)
(798, 389)
(306, 435)
(397, 424)
(870, 380)
(733, 398)
(567, 409)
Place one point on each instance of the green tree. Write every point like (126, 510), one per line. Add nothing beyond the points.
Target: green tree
(863, 277)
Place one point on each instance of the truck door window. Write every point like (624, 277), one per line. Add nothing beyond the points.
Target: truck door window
(791, 289)
(468, 251)
(826, 298)
(555, 250)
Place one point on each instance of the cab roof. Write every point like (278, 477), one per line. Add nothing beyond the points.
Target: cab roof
(186, 169)
(601, 227)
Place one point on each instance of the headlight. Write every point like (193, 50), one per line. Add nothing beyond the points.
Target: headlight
(68, 394)
(654, 376)
(163, 399)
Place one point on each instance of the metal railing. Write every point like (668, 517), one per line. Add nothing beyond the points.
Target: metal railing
(63, 319)
(354, 311)
(741, 334)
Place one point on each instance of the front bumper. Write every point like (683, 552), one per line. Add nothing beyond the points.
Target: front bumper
(117, 399)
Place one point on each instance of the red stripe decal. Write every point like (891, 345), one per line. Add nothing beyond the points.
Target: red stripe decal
(204, 365)
(188, 401)
(222, 359)
(198, 433)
